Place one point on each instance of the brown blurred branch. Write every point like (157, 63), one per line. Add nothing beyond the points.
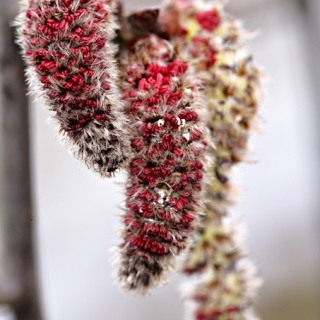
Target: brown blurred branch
(18, 285)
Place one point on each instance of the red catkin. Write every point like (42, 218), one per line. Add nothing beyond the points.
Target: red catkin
(164, 107)
(67, 48)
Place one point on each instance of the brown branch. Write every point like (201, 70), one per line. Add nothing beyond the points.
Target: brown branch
(18, 285)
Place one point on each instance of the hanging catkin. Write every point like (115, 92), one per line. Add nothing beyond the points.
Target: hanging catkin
(165, 109)
(67, 47)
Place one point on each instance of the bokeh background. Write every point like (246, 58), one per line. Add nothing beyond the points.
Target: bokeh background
(76, 211)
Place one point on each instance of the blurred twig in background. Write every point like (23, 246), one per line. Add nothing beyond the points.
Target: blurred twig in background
(18, 287)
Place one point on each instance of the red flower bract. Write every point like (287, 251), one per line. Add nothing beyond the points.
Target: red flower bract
(208, 20)
(165, 175)
(67, 46)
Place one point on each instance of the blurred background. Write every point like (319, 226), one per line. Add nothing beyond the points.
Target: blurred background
(76, 211)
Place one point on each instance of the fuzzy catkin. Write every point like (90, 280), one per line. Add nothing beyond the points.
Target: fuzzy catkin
(165, 109)
(67, 47)
(228, 281)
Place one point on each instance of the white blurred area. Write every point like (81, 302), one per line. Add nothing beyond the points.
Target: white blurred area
(76, 211)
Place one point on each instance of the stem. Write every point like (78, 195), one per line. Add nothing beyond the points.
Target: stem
(18, 284)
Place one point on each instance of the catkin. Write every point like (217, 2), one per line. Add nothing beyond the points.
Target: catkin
(228, 281)
(165, 109)
(67, 47)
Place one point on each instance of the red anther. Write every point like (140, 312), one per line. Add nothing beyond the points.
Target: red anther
(177, 68)
(45, 80)
(42, 28)
(163, 89)
(94, 104)
(136, 106)
(75, 51)
(159, 79)
(176, 95)
(135, 170)
(183, 200)
(132, 94)
(138, 162)
(208, 20)
(85, 49)
(98, 6)
(143, 84)
(187, 218)
(200, 41)
(178, 152)
(99, 116)
(83, 119)
(73, 63)
(147, 171)
(170, 161)
(179, 205)
(154, 100)
(186, 194)
(195, 134)
(147, 210)
(211, 57)
(64, 96)
(198, 165)
(153, 69)
(128, 220)
(150, 228)
(147, 195)
(51, 21)
(78, 126)
(34, 40)
(85, 39)
(79, 12)
(78, 31)
(68, 85)
(174, 122)
(106, 86)
(58, 55)
(197, 186)
(184, 183)
(173, 202)
(29, 13)
(150, 126)
(152, 82)
(198, 175)
(90, 73)
(160, 171)
(74, 37)
(188, 115)
(101, 43)
(64, 73)
(76, 79)
(137, 144)
(87, 56)
(133, 207)
(54, 95)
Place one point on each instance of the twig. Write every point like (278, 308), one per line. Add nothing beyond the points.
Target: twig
(18, 286)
